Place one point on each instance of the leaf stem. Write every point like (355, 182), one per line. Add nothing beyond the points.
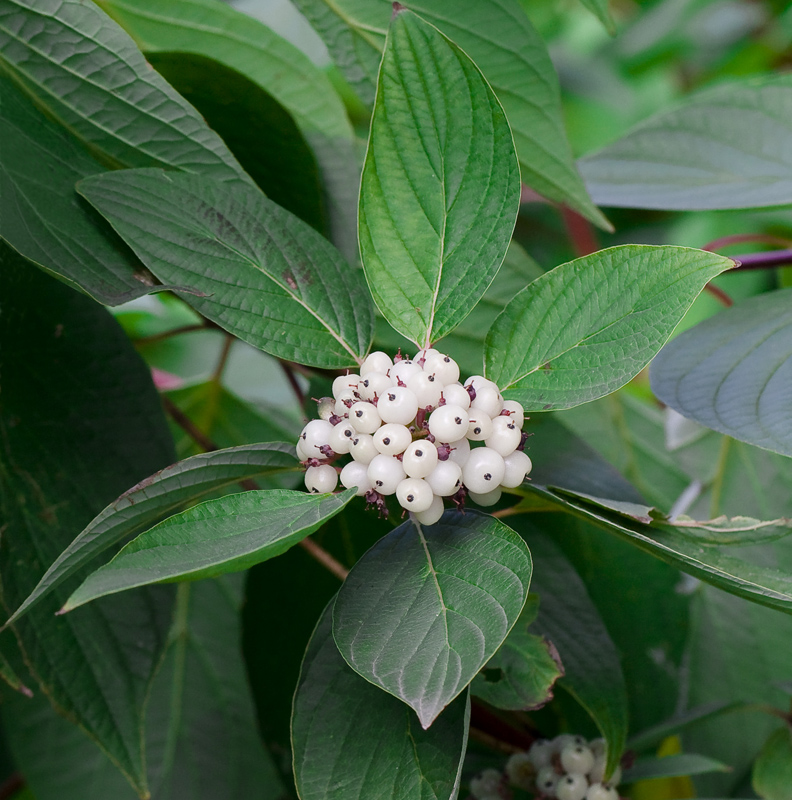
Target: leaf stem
(288, 369)
(318, 553)
(580, 232)
(159, 337)
(719, 295)
(223, 360)
(488, 740)
(188, 426)
(766, 260)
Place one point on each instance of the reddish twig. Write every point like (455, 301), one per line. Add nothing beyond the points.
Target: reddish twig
(580, 231)
(288, 369)
(318, 553)
(743, 238)
(766, 260)
(482, 737)
(11, 786)
(158, 337)
(719, 295)
(188, 426)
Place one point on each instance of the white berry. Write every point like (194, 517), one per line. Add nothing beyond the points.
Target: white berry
(577, 758)
(392, 439)
(480, 382)
(460, 452)
(314, 435)
(376, 362)
(448, 423)
(563, 739)
(404, 370)
(517, 465)
(483, 471)
(614, 779)
(599, 792)
(443, 367)
(455, 394)
(479, 425)
(373, 384)
(397, 404)
(341, 437)
(487, 499)
(446, 478)
(364, 417)
(505, 436)
(419, 459)
(426, 388)
(362, 448)
(414, 494)
(572, 786)
(422, 355)
(546, 780)
(516, 412)
(540, 753)
(326, 407)
(488, 781)
(433, 513)
(385, 474)
(520, 771)
(356, 474)
(488, 400)
(321, 479)
(345, 385)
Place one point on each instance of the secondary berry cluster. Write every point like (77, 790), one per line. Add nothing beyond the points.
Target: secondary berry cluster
(414, 431)
(566, 768)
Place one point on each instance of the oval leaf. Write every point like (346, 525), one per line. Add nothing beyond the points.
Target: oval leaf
(352, 741)
(250, 266)
(158, 495)
(225, 535)
(441, 185)
(425, 608)
(587, 327)
(733, 372)
(673, 766)
(725, 147)
(772, 772)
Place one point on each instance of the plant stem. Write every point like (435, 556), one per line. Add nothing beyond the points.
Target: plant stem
(719, 295)
(743, 238)
(488, 740)
(771, 258)
(318, 553)
(188, 426)
(580, 232)
(288, 369)
(159, 337)
(223, 360)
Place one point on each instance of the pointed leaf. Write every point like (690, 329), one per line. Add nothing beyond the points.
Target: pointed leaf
(352, 741)
(724, 147)
(8, 674)
(645, 769)
(101, 88)
(439, 194)
(772, 772)
(229, 534)
(425, 608)
(520, 676)
(156, 496)
(255, 269)
(587, 327)
(733, 372)
(601, 10)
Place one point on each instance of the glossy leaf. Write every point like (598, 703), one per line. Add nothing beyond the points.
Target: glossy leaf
(499, 38)
(439, 194)
(217, 31)
(520, 676)
(724, 147)
(733, 372)
(425, 608)
(44, 219)
(156, 496)
(585, 328)
(772, 772)
(101, 88)
(671, 767)
(592, 671)
(352, 741)
(79, 422)
(219, 536)
(253, 268)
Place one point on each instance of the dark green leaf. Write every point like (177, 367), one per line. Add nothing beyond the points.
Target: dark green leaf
(79, 422)
(724, 147)
(522, 673)
(8, 674)
(593, 674)
(733, 372)
(500, 39)
(352, 741)
(258, 271)
(219, 536)
(42, 216)
(425, 608)
(101, 88)
(439, 194)
(585, 328)
(672, 767)
(217, 31)
(156, 496)
(772, 772)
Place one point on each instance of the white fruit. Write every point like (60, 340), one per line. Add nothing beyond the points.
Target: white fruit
(419, 459)
(376, 362)
(540, 753)
(342, 404)
(423, 355)
(480, 382)
(446, 478)
(516, 412)
(563, 739)
(385, 474)
(599, 792)
(448, 423)
(326, 407)
(614, 779)
(520, 771)
(403, 371)
(483, 471)
(321, 479)
(315, 435)
(505, 436)
(547, 780)
(577, 758)
(364, 417)
(356, 474)
(487, 499)
(426, 388)
(414, 494)
(341, 437)
(443, 367)
(517, 465)
(392, 439)
(455, 394)
(460, 452)
(488, 399)
(397, 404)
(345, 385)
(433, 513)
(479, 425)
(488, 781)
(373, 384)
(362, 448)
(301, 454)
(572, 786)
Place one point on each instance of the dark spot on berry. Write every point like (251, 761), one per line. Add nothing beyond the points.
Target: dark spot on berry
(477, 431)
(348, 433)
(487, 476)
(379, 483)
(302, 436)
(391, 397)
(458, 420)
(386, 440)
(410, 498)
(447, 359)
(418, 453)
(431, 378)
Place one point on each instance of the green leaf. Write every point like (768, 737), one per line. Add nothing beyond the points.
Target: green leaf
(228, 534)
(156, 496)
(352, 741)
(652, 738)
(733, 372)
(439, 194)
(601, 10)
(593, 674)
(8, 674)
(44, 219)
(79, 422)
(724, 147)
(257, 129)
(103, 91)
(499, 38)
(772, 772)
(258, 271)
(425, 608)
(520, 676)
(672, 767)
(217, 31)
(587, 327)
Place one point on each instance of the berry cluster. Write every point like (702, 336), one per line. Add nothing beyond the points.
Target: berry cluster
(413, 430)
(567, 768)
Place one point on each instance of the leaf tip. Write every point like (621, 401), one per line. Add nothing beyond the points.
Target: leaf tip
(24, 690)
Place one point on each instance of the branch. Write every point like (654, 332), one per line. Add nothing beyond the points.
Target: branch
(719, 295)
(580, 232)
(771, 258)
(188, 426)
